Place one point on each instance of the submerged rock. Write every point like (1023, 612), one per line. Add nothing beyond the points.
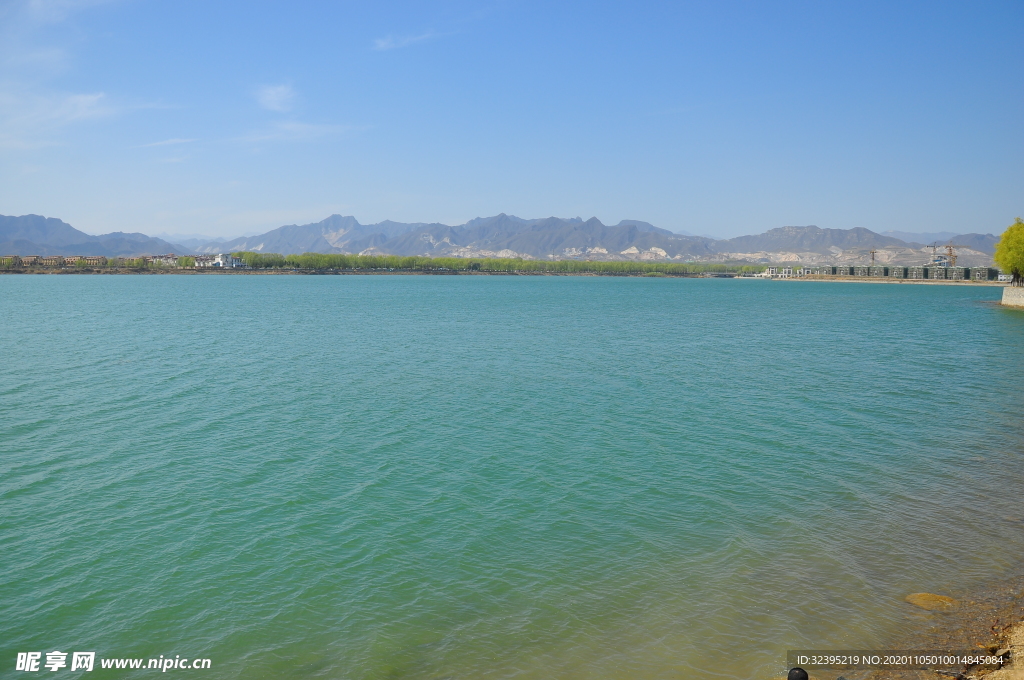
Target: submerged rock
(932, 602)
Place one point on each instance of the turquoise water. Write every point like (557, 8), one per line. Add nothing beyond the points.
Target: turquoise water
(493, 477)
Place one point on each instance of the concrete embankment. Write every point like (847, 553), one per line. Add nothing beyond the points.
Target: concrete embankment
(885, 279)
(1013, 296)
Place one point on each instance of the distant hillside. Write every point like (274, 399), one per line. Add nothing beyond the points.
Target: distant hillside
(37, 235)
(501, 235)
(336, 234)
(507, 236)
(810, 239)
(984, 243)
(554, 237)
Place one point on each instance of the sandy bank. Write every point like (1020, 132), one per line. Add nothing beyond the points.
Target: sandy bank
(1014, 641)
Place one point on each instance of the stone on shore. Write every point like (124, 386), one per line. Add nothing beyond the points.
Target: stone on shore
(932, 602)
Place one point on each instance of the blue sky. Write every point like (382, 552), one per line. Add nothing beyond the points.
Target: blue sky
(720, 118)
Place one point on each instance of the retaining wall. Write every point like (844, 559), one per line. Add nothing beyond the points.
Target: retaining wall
(1013, 296)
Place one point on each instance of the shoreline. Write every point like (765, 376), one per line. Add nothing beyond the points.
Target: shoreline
(317, 272)
(988, 620)
(368, 272)
(912, 282)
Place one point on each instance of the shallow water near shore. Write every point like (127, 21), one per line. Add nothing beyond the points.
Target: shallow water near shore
(491, 477)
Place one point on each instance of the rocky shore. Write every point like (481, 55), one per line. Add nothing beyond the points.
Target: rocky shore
(989, 622)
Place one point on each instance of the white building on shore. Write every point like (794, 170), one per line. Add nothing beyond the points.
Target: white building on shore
(780, 273)
(222, 260)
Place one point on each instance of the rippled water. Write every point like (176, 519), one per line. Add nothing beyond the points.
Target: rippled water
(488, 477)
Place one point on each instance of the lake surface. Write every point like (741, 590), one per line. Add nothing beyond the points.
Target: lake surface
(492, 477)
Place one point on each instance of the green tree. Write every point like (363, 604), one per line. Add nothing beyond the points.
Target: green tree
(1010, 252)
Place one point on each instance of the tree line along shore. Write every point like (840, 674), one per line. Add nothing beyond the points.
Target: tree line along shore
(255, 262)
(321, 262)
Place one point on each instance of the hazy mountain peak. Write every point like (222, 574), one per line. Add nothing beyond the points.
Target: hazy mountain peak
(644, 226)
(38, 235)
(811, 238)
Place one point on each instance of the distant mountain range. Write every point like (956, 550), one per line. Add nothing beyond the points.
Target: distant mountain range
(983, 242)
(505, 236)
(37, 235)
(499, 236)
(559, 238)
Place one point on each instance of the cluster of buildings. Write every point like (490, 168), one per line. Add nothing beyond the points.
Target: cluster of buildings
(888, 271)
(222, 260)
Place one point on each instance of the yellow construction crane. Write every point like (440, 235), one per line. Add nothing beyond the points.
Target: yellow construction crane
(951, 253)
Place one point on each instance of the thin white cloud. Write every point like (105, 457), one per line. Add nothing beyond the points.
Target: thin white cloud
(276, 97)
(294, 131)
(33, 113)
(166, 142)
(81, 106)
(395, 42)
(30, 120)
